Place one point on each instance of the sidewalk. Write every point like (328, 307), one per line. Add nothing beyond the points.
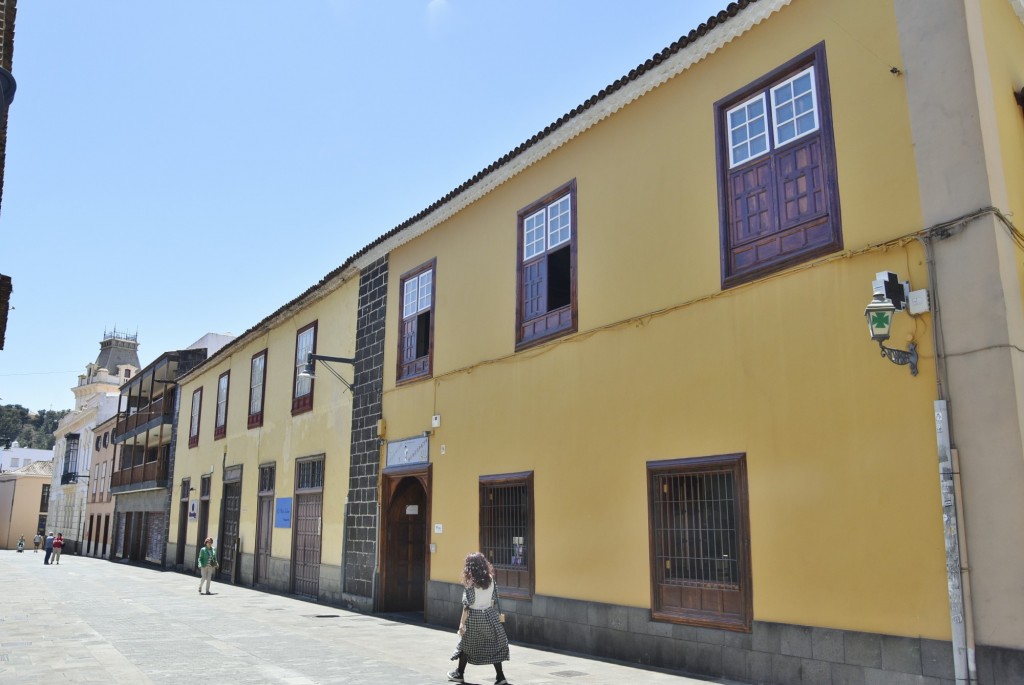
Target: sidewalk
(92, 621)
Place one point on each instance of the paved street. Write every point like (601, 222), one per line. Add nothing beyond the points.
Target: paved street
(91, 621)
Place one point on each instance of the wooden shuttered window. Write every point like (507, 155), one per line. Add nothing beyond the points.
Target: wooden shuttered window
(546, 301)
(303, 387)
(416, 328)
(778, 191)
(700, 547)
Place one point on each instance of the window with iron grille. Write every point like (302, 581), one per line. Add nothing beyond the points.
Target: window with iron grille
(220, 424)
(506, 530)
(416, 339)
(700, 546)
(186, 486)
(546, 278)
(268, 474)
(204, 487)
(257, 388)
(193, 426)
(44, 501)
(305, 344)
(309, 474)
(778, 189)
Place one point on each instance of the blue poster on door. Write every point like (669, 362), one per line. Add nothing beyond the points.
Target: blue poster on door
(283, 513)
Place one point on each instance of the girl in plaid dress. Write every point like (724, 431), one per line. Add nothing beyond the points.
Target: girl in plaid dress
(482, 636)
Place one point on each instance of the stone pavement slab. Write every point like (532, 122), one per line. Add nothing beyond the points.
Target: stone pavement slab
(94, 621)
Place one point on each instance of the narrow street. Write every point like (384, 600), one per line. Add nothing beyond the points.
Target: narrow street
(92, 621)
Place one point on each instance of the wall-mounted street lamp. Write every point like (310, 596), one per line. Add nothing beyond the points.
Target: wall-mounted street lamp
(888, 293)
(308, 370)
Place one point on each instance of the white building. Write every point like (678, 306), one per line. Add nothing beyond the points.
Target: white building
(16, 456)
(97, 396)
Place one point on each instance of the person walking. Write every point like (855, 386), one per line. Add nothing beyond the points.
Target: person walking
(58, 545)
(48, 547)
(38, 540)
(207, 564)
(482, 635)
(21, 544)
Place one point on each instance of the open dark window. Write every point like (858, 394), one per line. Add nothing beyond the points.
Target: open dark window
(700, 545)
(506, 531)
(416, 340)
(777, 187)
(546, 301)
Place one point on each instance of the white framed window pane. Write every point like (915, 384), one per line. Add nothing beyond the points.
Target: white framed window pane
(103, 478)
(794, 105)
(748, 137)
(194, 427)
(303, 348)
(256, 386)
(426, 280)
(559, 222)
(409, 298)
(533, 235)
(222, 400)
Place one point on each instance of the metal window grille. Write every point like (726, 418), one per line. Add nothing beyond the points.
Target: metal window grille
(505, 514)
(695, 536)
(310, 474)
(186, 484)
(204, 487)
(267, 477)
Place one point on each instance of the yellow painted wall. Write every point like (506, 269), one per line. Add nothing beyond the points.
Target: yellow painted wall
(1004, 36)
(283, 438)
(844, 503)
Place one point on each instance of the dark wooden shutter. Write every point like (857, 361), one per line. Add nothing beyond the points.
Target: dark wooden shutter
(409, 341)
(752, 212)
(535, 292)
(800, 182)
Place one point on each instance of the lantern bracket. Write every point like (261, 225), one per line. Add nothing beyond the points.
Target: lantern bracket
(901, 357)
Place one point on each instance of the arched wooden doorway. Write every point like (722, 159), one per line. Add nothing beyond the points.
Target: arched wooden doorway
(405, 553)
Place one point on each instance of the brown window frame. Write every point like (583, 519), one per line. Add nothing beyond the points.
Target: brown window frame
(534, 275)
(691, 596)
(763, 240)
(517, 581)
(220, 428)
(314, 471)
(267, 483)
(256, 418)
(303, 403)
(194, 419)
(410, 329)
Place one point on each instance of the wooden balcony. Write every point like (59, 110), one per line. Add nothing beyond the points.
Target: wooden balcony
(148, 476)
(153, 413)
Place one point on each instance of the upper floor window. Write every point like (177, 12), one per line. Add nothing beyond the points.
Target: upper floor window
(220, 425)
(777, 187)
(257, 388)
(71, 454)
(506, 531)
(106, 438)
(193, 425)
(99, 443)
(305, 344)
(416, 340)
(103, 478)
(700, 544)
(44, 499)
(546, 278)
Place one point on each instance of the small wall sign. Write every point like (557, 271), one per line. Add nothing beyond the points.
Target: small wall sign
(283, 512)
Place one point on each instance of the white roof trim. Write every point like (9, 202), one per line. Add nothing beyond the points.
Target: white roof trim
(719, 36)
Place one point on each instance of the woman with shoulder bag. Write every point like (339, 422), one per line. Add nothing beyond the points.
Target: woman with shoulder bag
(207, 564)
(482, 635)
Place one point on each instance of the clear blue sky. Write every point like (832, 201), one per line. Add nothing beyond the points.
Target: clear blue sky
(178, 168)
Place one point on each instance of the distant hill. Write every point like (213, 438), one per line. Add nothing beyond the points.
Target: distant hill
(31, 429)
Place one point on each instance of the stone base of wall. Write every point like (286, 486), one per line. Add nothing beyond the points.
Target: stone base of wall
(999, 665)
(772, 653)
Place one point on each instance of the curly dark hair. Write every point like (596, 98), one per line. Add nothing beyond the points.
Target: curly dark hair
(477, 571)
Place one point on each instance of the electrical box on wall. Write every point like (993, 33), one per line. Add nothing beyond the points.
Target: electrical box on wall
(918, 302)
(435, 421)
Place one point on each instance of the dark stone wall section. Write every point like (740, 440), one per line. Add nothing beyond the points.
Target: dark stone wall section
(361, 517)
(772, 653)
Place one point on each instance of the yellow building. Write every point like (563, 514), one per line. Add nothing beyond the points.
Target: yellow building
(628, 362)
(24, 501)
(262, 452)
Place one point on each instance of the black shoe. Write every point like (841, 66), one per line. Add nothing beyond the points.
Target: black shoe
(455, 677)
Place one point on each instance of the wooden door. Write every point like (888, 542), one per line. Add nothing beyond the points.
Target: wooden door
(264, 538)
(406, 548)
(229, 529)
(306, 559)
